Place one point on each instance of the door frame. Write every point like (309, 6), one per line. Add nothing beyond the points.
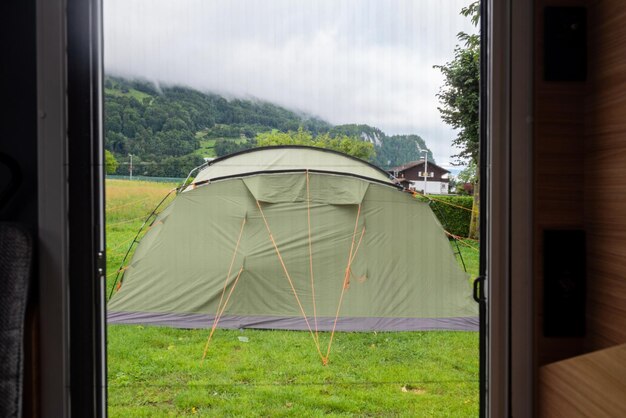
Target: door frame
(70, 178)
(508, 203)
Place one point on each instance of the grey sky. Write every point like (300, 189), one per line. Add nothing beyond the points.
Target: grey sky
(346, 61)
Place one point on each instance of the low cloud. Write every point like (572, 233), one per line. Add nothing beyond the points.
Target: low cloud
(352, 61)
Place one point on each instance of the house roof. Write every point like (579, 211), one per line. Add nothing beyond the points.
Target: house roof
(412, 164)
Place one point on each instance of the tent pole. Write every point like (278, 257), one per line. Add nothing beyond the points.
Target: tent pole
(206, 163)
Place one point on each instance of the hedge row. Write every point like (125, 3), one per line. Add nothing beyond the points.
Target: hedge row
(448, 210)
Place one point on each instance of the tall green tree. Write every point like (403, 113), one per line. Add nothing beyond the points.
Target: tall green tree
(342, 143)
(229, 146)
(459, 99)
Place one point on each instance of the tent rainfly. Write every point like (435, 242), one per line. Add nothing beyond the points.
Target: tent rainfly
(295, 238)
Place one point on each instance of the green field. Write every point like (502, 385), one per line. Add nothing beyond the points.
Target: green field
(207, 147)
(139, 95)
(156, 372)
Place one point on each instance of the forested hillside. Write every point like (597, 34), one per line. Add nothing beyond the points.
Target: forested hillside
(169, 130)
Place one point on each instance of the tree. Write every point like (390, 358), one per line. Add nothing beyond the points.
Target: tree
(110, 163)
(224, 146)
(459, 98)
(466, 180)
(342, 143)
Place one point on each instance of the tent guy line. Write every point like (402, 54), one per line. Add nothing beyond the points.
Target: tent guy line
(219, 305)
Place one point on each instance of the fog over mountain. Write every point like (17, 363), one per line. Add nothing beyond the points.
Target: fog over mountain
(346, 61)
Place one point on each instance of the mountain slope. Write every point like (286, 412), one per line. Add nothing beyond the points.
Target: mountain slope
(169, 129)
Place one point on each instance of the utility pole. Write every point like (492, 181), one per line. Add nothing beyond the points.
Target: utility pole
(130, 170)
(425, 172)
(425, 168)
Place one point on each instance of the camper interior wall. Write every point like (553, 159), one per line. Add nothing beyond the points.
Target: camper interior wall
(55, 202)
(604, 166)
(579, 178)
(558, 155)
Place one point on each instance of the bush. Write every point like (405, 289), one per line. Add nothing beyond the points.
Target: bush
(454, 219)
(110, 163)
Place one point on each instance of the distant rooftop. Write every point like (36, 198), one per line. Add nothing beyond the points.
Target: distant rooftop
(412, 164)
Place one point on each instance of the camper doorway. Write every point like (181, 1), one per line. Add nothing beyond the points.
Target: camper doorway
(288, 227)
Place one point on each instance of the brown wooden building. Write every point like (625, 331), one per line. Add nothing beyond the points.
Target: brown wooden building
(411, 176)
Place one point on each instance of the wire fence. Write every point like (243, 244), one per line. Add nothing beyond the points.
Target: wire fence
(146, 178)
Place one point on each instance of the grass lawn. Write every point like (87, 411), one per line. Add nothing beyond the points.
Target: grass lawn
(157, 371)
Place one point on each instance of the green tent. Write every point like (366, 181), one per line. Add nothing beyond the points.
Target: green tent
(295, 238)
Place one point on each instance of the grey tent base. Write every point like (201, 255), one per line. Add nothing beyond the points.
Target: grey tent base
(294, 323)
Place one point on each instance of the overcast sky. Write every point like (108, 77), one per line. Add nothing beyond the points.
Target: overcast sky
(346, 61)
